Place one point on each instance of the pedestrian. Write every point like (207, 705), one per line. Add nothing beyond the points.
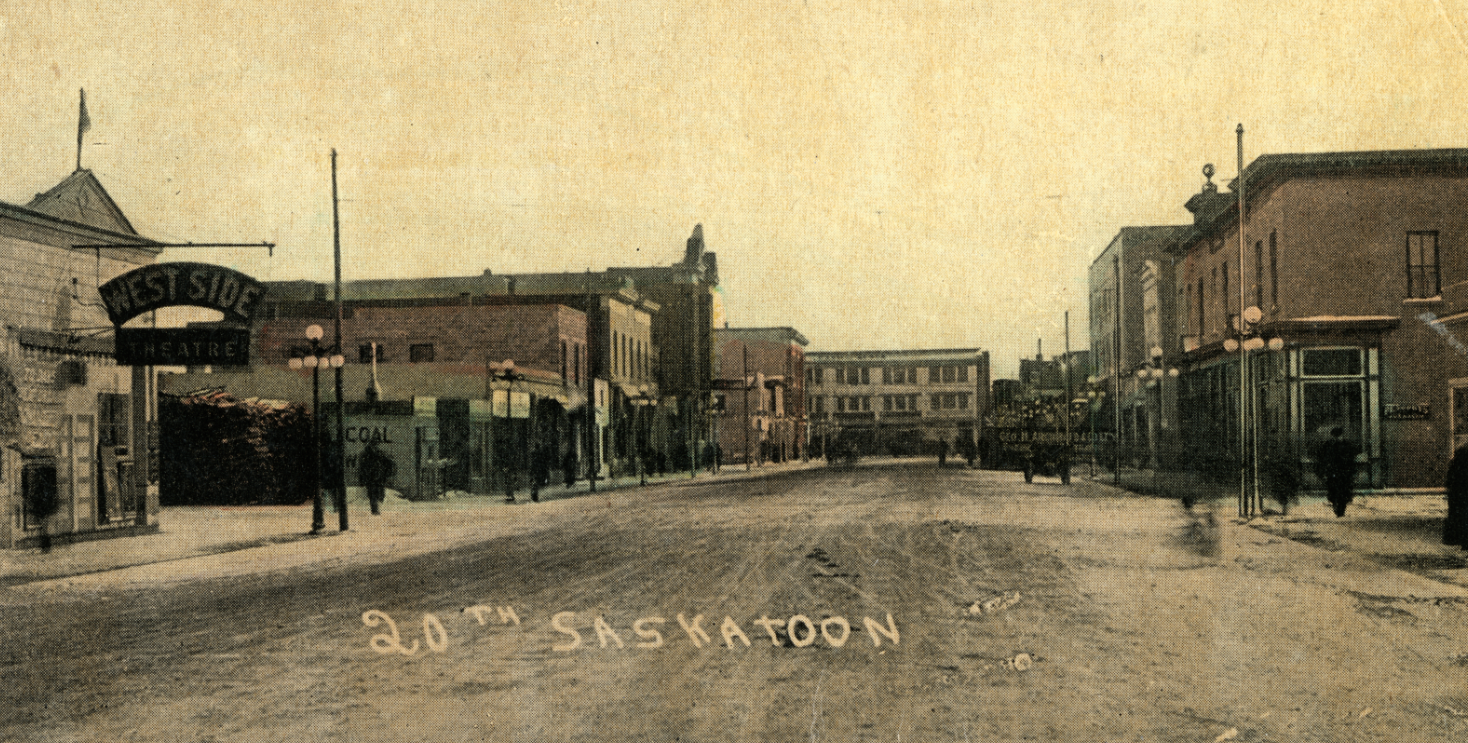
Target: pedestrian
(376, 470)
(1335, 465)
(942, 452)
(568, 467)
(1455, 526)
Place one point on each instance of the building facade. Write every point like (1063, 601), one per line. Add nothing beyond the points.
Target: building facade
(78, 430)
(1341, 306)
(759, 395)
(1133, 346)
(897, 402)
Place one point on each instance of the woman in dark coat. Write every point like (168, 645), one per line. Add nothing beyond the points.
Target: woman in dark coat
(1455, 526)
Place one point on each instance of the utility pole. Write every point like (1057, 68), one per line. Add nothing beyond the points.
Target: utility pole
(748, 419)
(341, 403)
(1245, 504)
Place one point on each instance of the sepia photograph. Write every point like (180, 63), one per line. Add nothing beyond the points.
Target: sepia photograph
(811, 371)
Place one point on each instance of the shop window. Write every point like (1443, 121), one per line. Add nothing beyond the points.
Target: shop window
(1331, 362)
(420, 353)
(1422, 270)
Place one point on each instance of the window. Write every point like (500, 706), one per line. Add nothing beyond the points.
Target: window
(949, 374)
(1331, 362)
(963, 401)
(113, 419)
(963, 373)
(1226, 295)
(840, 375)
(866, 403)
(886, 402)
(935, 374)
(420, 353)
(576, 361)
(1273, 269)
(364, 353)
(840, 404)
(1201, 315)
(820, 406)
(866, 375)
(901, 401)
(1422, 273)
(912, 376)
(886, 375)
(912, 402)
(563, 359)
(935, 402)
(1259, 274)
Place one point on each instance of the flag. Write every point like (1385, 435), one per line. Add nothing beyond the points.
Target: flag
(84, 122)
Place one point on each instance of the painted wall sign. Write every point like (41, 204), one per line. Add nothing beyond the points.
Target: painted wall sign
(181, 284)
(183, 346)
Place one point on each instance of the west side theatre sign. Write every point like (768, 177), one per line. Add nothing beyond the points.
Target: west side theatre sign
(183, 285)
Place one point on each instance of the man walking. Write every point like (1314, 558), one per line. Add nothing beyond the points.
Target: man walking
(1335, 465)
(376, 470)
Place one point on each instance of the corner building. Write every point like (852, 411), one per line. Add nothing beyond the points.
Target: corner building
(1356, 262)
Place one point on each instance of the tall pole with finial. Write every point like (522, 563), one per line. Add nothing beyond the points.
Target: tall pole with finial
(1245, 505)
(341, 450)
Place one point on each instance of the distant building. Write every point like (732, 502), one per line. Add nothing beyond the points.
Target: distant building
(1133, 333)
(897, 402)
(759, 394)
(74, 425)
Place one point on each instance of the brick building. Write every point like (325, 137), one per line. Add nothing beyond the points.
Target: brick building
(896, 402)
(759, 395)
(1134, 343)
(75, 425)
(1355, 262)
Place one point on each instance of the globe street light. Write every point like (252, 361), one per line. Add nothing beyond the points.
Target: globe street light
(315, 359)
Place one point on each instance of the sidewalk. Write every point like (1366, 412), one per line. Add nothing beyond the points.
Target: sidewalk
(197, 541)
(1395, 530)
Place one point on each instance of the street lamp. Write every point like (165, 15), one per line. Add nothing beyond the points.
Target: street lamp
(1150, 375)
(1250, 338)
(505, 371)
(316, 359)
(640, 444)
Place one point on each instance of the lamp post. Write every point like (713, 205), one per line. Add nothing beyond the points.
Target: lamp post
(1150, 375)
(640, 434)
(315, 359)
(1249, 338)
(505, 371)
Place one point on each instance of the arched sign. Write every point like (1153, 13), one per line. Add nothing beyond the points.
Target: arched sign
(160, 285)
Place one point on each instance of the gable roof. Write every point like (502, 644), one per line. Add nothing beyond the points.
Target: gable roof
(81, 198)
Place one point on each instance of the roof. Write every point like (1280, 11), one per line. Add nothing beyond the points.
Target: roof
(935, 354)
(1131, 237)
(1213, 211)
(772, 335)
(80, 198)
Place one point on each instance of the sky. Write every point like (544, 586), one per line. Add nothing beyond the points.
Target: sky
(875, 175)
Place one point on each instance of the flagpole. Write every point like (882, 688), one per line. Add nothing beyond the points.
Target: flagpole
(83, 123)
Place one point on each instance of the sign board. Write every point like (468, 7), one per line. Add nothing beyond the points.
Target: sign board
(519, 404)
(181, 284)
(183, 346)
(1398, 412)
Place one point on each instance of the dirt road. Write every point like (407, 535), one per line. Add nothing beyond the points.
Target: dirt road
(904, 603)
